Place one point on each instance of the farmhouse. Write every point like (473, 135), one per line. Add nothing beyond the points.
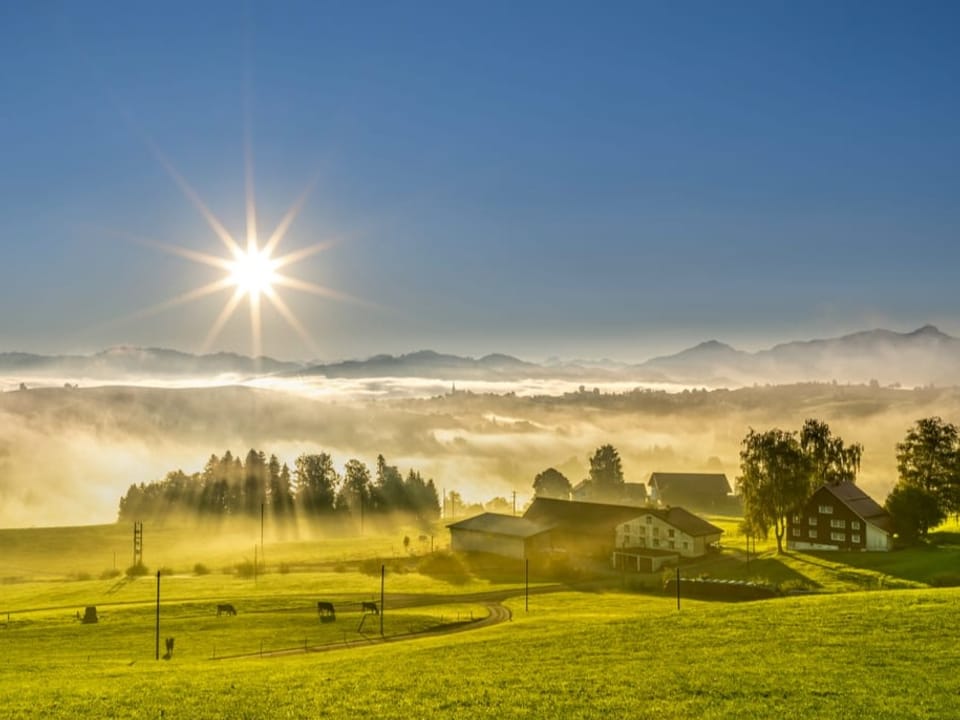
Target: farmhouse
(504, 535)
(840, 517)
(701, 491)
(585, 529)
(656, 536)
(627, 493)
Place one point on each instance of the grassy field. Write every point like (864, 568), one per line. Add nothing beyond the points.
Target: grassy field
(888, 653)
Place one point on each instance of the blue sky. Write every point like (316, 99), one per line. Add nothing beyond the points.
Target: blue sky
(541, 179)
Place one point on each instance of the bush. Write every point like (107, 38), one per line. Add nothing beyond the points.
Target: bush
(138, 570)
(284, 568)
(166, 571)
(109, 574)
(444, 565)
(945, 579)
(245, 569)
(201, 569)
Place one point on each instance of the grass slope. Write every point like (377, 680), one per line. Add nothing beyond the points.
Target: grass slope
(575, 655)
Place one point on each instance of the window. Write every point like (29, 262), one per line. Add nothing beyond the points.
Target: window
(835, 523)
(854, 524)
(796, 518)
(671, 544)
(649, 519)
(812, 520)
(812, 533)
(839, 536)
(626, 539)
(854, 538)
(686, 545)
(656, 543)
(826, 509)
(670, 533)
(796, 532)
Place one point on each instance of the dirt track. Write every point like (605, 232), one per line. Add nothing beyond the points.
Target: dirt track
(496, 613)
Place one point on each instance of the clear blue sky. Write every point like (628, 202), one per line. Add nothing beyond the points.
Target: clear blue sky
(590, 179)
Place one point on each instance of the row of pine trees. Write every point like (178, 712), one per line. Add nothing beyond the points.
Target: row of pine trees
(229, 486)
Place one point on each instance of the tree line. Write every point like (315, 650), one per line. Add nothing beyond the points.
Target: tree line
(229, 486)
(780, 469)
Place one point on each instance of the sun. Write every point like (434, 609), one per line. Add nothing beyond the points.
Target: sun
(253, 272)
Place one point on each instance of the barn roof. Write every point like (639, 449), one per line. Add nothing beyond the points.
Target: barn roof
(686, 522)
(579, 516)
(497, 524)
(861, 504)
(690, 484)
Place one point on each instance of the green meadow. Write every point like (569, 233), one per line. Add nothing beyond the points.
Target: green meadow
(870, 639)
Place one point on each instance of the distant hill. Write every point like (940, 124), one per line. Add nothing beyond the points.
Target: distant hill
(124, 362)
(438, 366)
(921, 357)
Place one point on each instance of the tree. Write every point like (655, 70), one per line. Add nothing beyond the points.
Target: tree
(929, 458)
(774, 481)
(316, 481)
(552, 483)
(606, 470)
(832, 462)
(355, 492)
(389, 493)
(914, 510)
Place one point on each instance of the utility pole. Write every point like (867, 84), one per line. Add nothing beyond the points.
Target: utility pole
(254, 564)
(514, 502)
(678, 589)
(526, 585)
(383, 572)
(261, 531)
(158, 617)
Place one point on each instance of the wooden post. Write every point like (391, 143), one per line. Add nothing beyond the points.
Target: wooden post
(254, 564)
(383, 572)
(678, 589)
(261, 532)
(158, 615)
(526, 584)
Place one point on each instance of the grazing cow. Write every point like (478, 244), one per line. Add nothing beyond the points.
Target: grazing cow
(226, 608)
(369, 607)
(169, 643)
(325, 609)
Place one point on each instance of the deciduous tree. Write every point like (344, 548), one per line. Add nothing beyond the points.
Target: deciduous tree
(774, 481)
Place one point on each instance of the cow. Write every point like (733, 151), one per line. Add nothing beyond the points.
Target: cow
(369, 607)
(325, 611)
(226, 609)
(169, 644)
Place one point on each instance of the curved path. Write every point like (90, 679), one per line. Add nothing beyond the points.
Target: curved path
(493, 600)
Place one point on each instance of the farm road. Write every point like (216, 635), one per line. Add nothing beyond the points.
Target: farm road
(492, 600)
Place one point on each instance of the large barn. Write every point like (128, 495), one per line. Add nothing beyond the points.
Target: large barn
(708, 492)
(504, 535)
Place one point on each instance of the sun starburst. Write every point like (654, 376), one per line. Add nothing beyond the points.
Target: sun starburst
(252, 273)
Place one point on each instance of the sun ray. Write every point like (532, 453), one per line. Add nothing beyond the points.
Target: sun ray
(319, 290)
(181, 299)
(298, 255)
(191, 194)
(281, 230)
(251, 199)
(287, 314)
(256, 325)
(222, 319)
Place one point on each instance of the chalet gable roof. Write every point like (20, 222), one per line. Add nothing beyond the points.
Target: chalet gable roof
(859, 503)
(683, 520)
(691, 484)
(498, 524)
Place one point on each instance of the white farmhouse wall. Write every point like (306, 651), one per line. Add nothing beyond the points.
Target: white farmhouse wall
(877, 539)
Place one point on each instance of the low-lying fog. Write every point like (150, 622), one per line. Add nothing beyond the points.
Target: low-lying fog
(67, 454)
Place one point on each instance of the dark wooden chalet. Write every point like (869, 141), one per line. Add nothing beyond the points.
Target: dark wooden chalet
(840, 517)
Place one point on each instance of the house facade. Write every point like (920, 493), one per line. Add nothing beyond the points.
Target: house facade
(668, 529)
(840, 517)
